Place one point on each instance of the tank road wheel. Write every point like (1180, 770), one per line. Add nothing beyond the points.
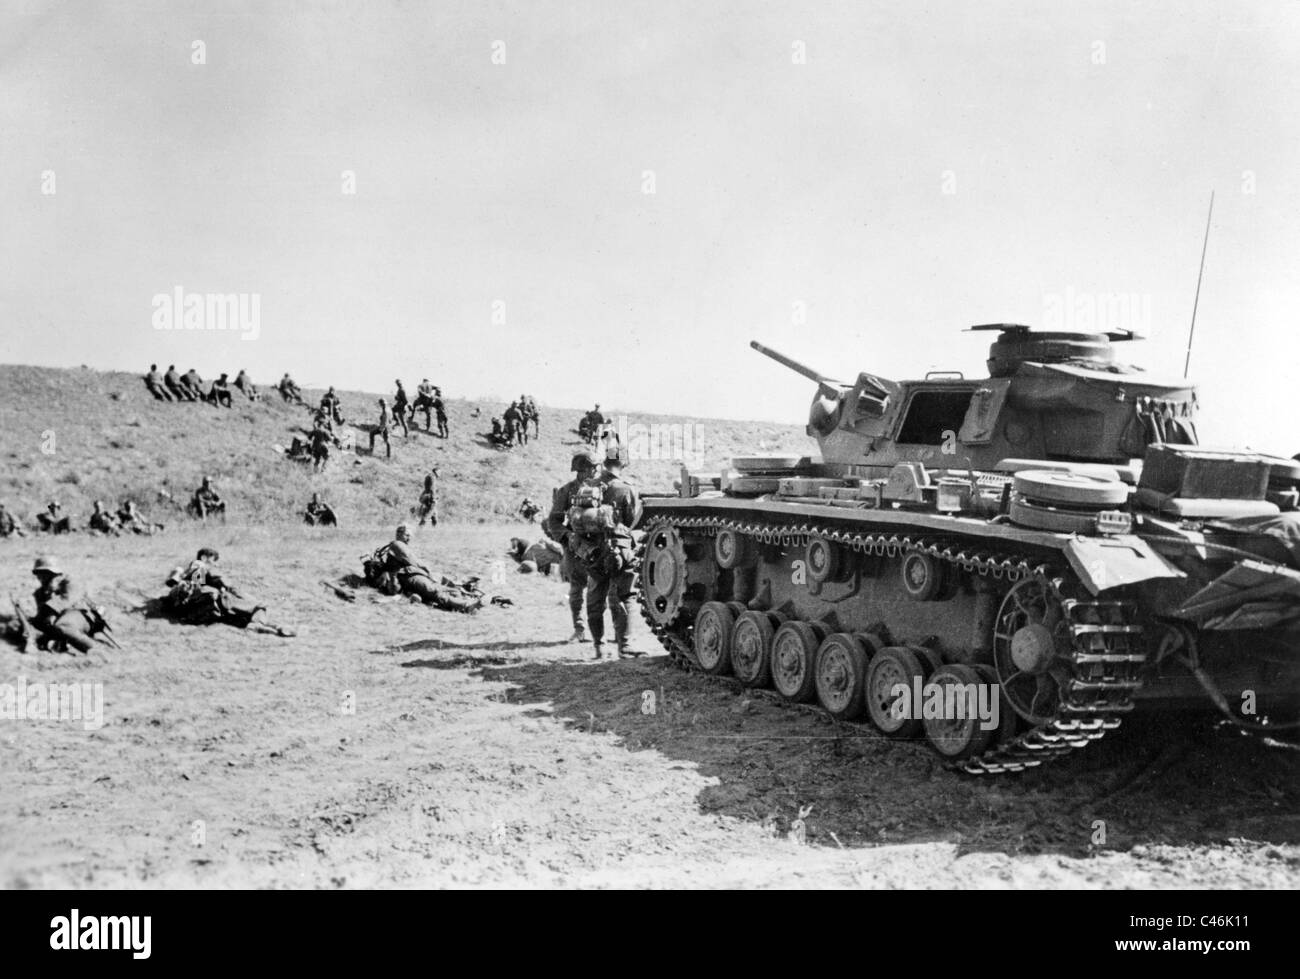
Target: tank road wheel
(841, 676)
(1032, 646)
(890, 667)
(794, 659)
(663, 574)
(751, 648)
(731, 550)
(713, 630)
(824, 560)
(922, 576)
(959, 732)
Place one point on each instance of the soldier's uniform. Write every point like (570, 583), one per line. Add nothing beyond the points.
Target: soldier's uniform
(201, 596)
(440, 412)
(423, 400)
(220, 393)
(193, 384)
(611, 573)
(58, 615)
(400, 406)
(154, 382)
(289, 391)
(9, 527)
(381, 430)
(320, 514)
(245, 384)
(555, 527)
(129, 518)
(514, 420)
(173, 383)
(320, 439)
(427, 508)
(103, 521)
(394, 568)
(206, 500)
(52, 521)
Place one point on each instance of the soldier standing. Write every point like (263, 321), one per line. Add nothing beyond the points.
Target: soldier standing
(381, 430)
(400, 406)
(611, 572)
(423, 400)
(440, 412)
(556, 528)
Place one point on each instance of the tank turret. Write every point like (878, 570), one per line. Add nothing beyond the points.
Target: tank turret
(1049, 396)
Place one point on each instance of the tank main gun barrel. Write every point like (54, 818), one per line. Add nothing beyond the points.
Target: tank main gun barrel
(829, 383)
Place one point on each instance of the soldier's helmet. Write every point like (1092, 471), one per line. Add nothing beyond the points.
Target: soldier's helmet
(583, 460)
(207, 480)
(46, 565)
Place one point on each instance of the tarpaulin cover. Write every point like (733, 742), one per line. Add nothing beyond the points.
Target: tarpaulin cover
(1252, 595)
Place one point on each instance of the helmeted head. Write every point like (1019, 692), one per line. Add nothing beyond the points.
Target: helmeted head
(207, 482)
(403, 533)
(45, 566)
(583, 462)
(53, 506)
(382, 403)
(153, 367)
(224, 375)
(209, 554)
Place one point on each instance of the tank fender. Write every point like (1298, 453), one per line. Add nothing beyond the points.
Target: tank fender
(1109, 562)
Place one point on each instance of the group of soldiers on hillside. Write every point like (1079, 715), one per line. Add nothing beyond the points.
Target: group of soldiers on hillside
(510, 428)
(173, 386)
(52, 520)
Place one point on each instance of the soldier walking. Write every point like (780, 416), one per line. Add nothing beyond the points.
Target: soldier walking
(400, 406)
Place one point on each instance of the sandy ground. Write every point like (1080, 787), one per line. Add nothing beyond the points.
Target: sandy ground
(486, 751)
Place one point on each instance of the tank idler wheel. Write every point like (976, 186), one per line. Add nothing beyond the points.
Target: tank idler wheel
(731, 550)
(895, 716)
(841, 676)
(958, 732)
(824, 560)
(751, 647)
(794, 659)
(713, 629)
(923, 576)
(1008, 719)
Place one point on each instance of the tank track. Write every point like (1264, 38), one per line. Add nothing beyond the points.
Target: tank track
(1107, 654)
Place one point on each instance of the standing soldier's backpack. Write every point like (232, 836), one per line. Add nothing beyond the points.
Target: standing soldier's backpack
(590, 522)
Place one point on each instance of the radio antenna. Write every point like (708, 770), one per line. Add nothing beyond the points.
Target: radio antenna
(1196, 302)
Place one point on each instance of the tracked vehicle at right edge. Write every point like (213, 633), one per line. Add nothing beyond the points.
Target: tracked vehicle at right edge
(1051, 535)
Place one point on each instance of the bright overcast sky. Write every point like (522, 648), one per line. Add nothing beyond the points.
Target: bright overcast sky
(897, 171)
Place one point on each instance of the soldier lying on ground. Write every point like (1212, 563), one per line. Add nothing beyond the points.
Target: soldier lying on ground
(201, 596)
(542, 556)
(206, 500)
(63, 616)
(129, 518)
(394, 569)
(52, 520)
(320, 514)
(103, 521)
(9, 527)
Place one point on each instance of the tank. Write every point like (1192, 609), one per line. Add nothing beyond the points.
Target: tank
(1004, 566)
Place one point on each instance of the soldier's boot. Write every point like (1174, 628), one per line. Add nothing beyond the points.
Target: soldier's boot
(579, 633)
(600, 654)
